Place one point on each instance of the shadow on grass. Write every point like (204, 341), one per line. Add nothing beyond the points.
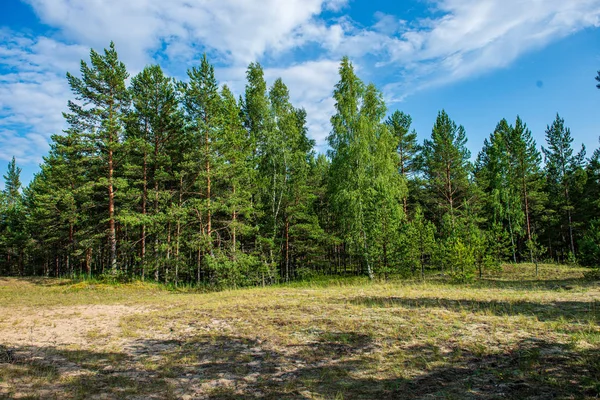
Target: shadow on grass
(568, 310)
(228, 367)
(533, 284)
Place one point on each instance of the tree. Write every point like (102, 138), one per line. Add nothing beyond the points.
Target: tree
(598, 79)
(365, 185)
(446, 166)
(407, 146)
(12, 183)
(154, 139)
(101, 111)
(527, 175)
(563, 170)
(420, 242)
(508, 173)
(258, 122)
(494, 174)
(202, 105)
(13, 235)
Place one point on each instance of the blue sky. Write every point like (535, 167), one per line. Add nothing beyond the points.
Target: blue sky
(481, 60)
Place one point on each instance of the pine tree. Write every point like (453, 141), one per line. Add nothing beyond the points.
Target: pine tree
(154, 140)
(419, 242)
(527, 177)
(202, 105)
(238, 172)
(495, 177)
(12, 183)
(259, 125)
(562, 168)
(446, 166)
(13, 234)
(101, 110)
(407, 147)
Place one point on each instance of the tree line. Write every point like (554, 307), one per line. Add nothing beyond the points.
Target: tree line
(185, 183)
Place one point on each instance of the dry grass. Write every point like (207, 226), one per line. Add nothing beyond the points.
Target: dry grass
(507, 336)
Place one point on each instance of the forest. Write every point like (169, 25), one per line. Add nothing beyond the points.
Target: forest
(184, 183)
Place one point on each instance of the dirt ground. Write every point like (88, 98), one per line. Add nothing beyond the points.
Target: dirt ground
(357, 340)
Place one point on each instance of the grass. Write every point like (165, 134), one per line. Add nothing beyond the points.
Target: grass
(509, 335)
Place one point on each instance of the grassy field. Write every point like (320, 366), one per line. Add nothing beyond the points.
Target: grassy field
(506, 336)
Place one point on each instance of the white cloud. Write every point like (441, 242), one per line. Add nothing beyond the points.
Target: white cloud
(462, 38)
(311, 87)
(476, 36)
(238, 31)
(33, 93)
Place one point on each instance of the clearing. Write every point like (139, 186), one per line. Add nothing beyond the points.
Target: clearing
(507, 336)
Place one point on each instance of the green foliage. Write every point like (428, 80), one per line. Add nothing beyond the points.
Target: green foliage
(185, 184)
(590, 245)
(365, 186)
(446, 166)
(565, 179)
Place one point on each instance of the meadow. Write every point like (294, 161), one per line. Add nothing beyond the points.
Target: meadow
(509, 335)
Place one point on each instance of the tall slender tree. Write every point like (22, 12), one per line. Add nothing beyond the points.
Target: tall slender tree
(12, 215)
(407, 147)
(446, 166)
(202, 105)
(365, 185)
(154, 131)
(527, 177)
(562, 167)
(100, 112)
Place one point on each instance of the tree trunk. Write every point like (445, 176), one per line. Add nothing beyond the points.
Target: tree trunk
(112, 236)
(234, 220)
(287, 250)
(527, 218)
(144, 211)
(208, 188)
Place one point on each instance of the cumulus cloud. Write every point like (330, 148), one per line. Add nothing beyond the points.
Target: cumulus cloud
(458, 39)
(33, 93)
(237, 31)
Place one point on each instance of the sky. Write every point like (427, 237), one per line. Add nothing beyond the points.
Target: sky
(480, 60)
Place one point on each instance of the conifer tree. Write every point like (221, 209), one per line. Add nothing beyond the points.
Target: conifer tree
(446, 166)
(154, 133)
(12, 225)
(527, 177)
(495, 177)
(100, 112)
(12, 183)
(563, 167)
(202, 105)
(407, 147)
(420, 242)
